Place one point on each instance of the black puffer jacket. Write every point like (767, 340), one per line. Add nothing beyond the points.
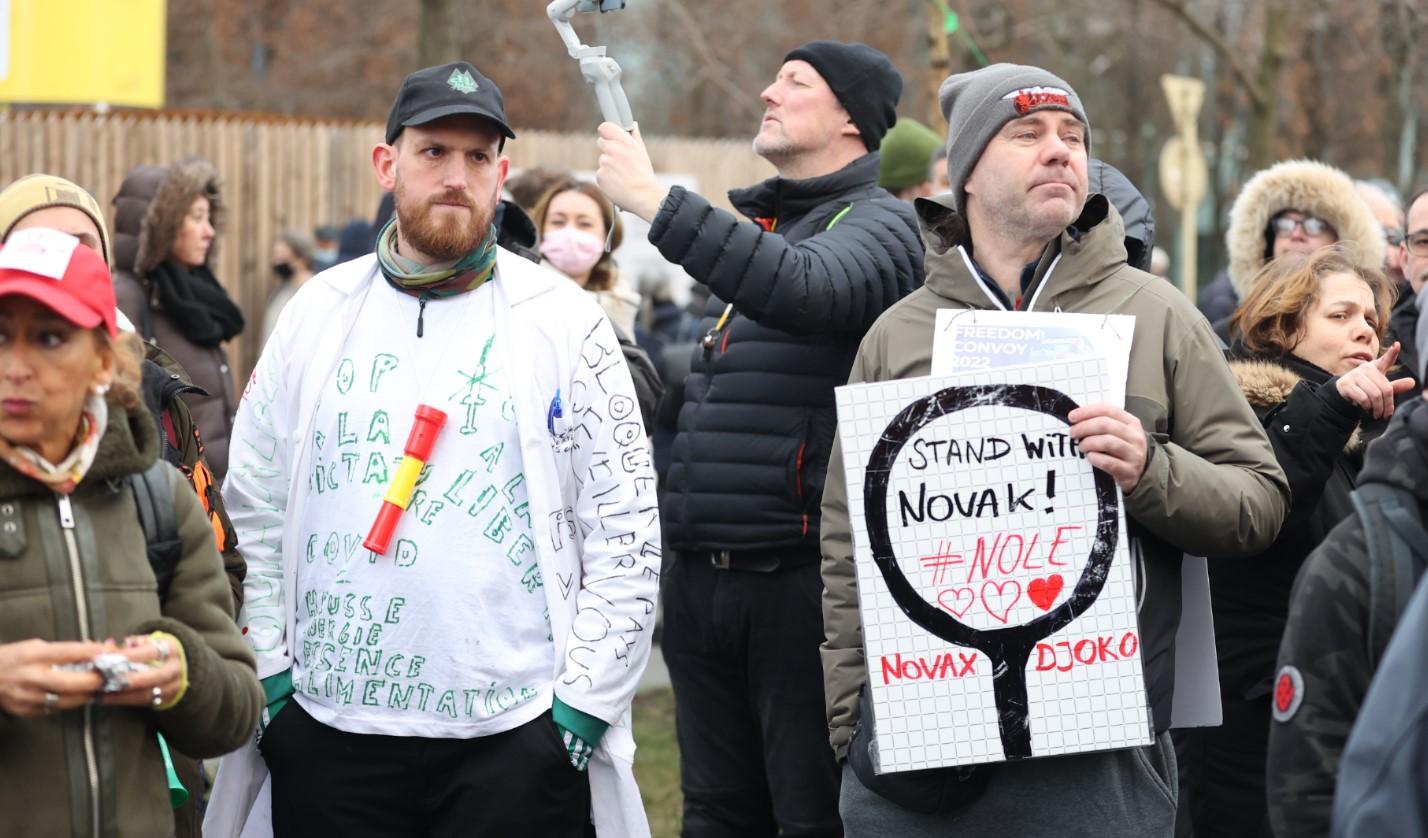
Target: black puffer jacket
(757, 422)
(1319, 443)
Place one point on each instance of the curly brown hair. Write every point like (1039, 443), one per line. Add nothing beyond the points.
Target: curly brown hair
(1270, 320)
(605, 272)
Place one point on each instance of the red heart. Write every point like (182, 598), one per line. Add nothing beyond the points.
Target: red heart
(1043, 592)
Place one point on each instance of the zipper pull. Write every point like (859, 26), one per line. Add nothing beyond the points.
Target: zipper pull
(66, 513)
(421, 312)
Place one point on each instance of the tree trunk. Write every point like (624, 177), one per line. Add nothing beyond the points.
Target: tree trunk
(1263, 116)
(1400, 131)
(939, 62)
(439, 40)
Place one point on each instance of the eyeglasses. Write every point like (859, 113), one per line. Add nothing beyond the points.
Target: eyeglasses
(1284, 226)
(1418, 244)
(1393, 237)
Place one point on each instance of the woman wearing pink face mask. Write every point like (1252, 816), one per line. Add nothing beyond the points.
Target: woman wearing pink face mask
(574, 218)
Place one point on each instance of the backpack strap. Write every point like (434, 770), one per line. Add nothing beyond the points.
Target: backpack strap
(1397, 552)
(154, 499)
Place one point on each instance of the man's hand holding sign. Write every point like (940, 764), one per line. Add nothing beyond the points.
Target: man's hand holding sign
(1112, 440)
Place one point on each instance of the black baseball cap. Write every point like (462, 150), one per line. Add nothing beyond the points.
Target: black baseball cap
(451, 89)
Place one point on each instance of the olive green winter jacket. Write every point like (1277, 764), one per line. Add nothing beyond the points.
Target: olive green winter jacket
(1211, 484)
(76, 568)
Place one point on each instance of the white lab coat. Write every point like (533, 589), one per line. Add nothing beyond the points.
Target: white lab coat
(591, 487)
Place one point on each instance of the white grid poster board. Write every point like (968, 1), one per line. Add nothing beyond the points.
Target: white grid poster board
(994, 548)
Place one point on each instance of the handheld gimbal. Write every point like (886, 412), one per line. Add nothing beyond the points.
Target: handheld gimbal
(599, 70)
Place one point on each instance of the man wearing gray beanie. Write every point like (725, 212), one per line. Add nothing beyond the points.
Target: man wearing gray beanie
(1019, 232)
(823, 252)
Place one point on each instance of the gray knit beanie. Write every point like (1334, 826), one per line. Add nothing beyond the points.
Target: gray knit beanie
(977, 104)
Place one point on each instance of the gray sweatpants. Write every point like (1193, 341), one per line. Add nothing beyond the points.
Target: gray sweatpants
(1109, 794)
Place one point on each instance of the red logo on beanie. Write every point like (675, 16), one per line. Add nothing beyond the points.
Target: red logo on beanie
(1029, 99)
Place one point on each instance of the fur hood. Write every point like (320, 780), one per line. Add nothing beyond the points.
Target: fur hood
(150, 207)
(1308, 186)
(1267, 384)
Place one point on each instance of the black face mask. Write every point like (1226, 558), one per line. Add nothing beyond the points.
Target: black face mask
(283, 270)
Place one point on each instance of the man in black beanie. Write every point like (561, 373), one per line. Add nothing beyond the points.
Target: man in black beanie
(792, 292)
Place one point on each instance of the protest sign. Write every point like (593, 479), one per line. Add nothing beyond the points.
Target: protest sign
(997, 597)
(970, 339)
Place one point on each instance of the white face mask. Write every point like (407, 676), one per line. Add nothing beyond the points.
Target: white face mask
(573, 252)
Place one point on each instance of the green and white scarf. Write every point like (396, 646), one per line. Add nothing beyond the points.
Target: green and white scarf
(444, 279)
(64, 476)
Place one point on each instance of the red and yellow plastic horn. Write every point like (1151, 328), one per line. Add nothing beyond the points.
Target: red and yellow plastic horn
(425, 427)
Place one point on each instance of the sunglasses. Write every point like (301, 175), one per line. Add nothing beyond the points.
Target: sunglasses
(1284, 226)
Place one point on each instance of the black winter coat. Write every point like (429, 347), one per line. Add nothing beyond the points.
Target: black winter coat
(1218, 300)
(1316, 438)
(1403, 327)
(1326, 642)
(825, 258)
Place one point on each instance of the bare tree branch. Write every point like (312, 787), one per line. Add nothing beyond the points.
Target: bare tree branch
(711, 68)
(1220, 45)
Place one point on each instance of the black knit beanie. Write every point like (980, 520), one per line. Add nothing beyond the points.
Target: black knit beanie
(864, 80)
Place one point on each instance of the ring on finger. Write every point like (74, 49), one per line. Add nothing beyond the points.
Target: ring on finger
(51, 702)
(162, 647)
(158, 697)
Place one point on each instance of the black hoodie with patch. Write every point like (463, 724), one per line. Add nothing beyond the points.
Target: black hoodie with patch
(1317, 440)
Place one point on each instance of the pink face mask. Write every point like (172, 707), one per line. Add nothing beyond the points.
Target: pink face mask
(573, 252)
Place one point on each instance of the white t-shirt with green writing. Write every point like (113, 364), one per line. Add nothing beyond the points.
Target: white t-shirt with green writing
(447, 635)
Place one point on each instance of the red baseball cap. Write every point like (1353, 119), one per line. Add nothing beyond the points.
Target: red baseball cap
(56, 270)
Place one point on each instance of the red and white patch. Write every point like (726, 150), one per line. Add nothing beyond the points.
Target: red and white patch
(1288, 693)
(1029, 99)
(40, 251)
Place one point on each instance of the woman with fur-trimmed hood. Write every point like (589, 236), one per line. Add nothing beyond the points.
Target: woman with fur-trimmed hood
(165, 223)
(1297, 206)
(1307, 359)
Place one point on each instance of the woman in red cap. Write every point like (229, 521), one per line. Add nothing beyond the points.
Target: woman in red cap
(96, 655)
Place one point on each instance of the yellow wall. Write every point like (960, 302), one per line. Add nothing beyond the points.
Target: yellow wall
(83, 51)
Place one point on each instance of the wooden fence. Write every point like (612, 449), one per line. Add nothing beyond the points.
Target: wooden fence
(281, 173)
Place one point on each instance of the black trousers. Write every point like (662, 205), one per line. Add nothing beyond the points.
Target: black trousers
(742, 651)
(1222, 773)
(329, 782)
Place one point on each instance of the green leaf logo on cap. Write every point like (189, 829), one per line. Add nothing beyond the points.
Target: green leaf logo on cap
(462, 81)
